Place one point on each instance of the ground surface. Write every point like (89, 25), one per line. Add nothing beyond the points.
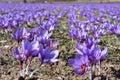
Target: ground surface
(9, 67)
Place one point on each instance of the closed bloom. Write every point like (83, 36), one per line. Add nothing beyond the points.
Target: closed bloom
(72, 31)
(90, 41)
(117, 30)
(86, 47)
(96, 54)
(17, 35)
(80, 64)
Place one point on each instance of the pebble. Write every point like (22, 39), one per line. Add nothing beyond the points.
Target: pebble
(59, 78)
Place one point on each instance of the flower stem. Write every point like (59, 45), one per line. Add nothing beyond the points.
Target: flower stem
(34, 71)
(28, 64)
(22, 69)
(90, 73)
(99, 68)
(37, 69)
(26, 73)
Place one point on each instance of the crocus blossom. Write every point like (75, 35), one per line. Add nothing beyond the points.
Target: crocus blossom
(47, 55)
(80, 64)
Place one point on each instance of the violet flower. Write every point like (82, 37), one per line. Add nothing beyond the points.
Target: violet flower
(46, 55)
(24, 33)
(43, 34)
(81, 48)
(95, 55)
(17, 35)
(35, 30)
(81, 34)
(28, 49)
(21, 34)
(104, 53)
(19, 55)
(80, 64)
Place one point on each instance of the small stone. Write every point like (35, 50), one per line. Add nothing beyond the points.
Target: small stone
(59, 78)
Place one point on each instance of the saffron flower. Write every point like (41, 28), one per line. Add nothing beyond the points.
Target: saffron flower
(17, 35)
(96, 54)
(28, 49)
(47, 55)
(80, 64)
(25, 33)
(21, 34)
(43, 34)
(19, 55)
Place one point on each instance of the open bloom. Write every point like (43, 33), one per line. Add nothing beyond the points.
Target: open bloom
(21, 34)
(80, 64)
(96, 54)
(86, 47)
(24, 33)
(98, 32)
(47, 55)
(114, 29)
(81, 34)
(19, 55)
(28, 49)
(81, 48)
(43, 34)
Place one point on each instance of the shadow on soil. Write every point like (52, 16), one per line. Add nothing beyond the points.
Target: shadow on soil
(116, 73)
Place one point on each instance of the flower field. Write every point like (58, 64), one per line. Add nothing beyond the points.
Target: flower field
(59, 41)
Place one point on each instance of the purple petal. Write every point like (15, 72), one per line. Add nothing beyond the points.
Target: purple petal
(16, 53)
(40, 56)
(54, 60)
(76, 63)
(35, 45)
(55, 53)
(104, 53)
(55, 44)
(47, 50)
(25, 33)
(26, 46)
(79, 71)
